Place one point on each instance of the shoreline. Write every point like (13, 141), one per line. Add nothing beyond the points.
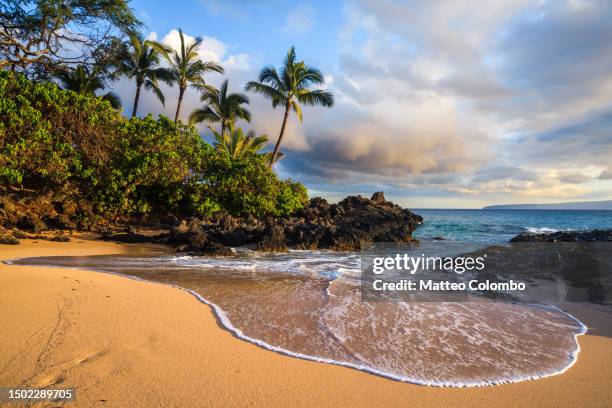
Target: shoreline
(226, 324)
(377, 387)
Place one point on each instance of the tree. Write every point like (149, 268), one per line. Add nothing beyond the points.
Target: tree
(84, 81)
(236, 144)
(139, 60)
(290, 89)
(186, 67)
(42, 35)
(221, 107)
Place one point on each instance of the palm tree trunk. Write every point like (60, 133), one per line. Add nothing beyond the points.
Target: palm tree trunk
(222, 127)
(136, 98)
(180, 102)
(280, 136)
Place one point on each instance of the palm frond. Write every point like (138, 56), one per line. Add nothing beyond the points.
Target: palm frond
(242, 113)
(113, 98)
(316, 97)
(309, 77)
(267, 91)
(203, 114)
(269, 75)
(151, 85)
(297, 109)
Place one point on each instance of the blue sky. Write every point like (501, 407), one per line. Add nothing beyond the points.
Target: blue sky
(439, 104)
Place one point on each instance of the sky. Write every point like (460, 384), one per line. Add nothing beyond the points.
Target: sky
(440, 104)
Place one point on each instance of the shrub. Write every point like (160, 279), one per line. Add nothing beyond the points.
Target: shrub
(153, 166)
(53, 138)
(246, 186)
(292, 196)
(48, 135)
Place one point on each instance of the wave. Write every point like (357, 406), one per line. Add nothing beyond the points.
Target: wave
(307, 305)
(541, 230)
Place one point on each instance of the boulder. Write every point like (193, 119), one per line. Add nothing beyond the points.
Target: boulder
(597, 235)
(378, 197)
(273, 239)
(350, 225)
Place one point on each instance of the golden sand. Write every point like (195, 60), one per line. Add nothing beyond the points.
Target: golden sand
(122, 342)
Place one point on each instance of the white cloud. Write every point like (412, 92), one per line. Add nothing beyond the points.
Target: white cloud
(482, 102)
(211, 49)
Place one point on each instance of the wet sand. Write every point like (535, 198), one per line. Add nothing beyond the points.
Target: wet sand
(124, 342)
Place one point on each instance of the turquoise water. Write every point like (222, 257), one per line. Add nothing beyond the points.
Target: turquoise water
(496, 226)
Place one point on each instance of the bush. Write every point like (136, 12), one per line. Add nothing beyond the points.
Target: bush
(246, 186)
(153, 167)
(48, 135)
(292, 196)
(55, 139)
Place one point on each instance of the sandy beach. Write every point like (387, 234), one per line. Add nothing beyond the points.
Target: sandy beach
(122, 342)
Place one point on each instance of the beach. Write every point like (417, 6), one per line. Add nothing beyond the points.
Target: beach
(121, 342)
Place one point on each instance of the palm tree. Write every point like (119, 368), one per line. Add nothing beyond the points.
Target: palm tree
(221, 106)
(140, 61)
(290, 89)
(84, 81)
(186, 67)
(236, 144)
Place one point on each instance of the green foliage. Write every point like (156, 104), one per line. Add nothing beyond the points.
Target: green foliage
(55, 138)
(85, 81)
(221, 106)
(245, 185)
(43, 34)
(153, 166)
(235, 143)
(48, 136)
(186, 67)
(291, 88)
(139, 61)
(291, 197)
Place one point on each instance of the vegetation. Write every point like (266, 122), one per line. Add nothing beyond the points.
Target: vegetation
(127, 167)
(140, 61)
(246, 186)
(74, 139)
(84, 81)
(186, 67)
(289, 89)
(236, 144)
(35, 36)
(221, 107)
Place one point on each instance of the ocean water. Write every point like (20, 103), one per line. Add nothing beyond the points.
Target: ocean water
(308, 304)
(497, 226)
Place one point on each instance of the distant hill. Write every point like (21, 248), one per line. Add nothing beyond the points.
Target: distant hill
(584, 205)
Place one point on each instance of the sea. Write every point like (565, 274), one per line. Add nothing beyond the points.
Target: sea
(308, 305)
(498, 226)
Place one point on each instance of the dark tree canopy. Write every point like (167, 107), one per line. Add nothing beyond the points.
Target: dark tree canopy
(39, 36)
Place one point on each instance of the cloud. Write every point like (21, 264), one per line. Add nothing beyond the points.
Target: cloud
(480, 103)
(211, 49)
(606, 175)
(574, 178)
(300, 21)
(506, 100)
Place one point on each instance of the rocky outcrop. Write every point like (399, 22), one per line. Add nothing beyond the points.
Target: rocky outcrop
(12, 237)
(349, 225)
(35, 212)
(597, 235)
